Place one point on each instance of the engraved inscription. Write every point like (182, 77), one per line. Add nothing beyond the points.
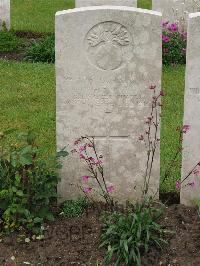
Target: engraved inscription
(105, 44)
(195, 90)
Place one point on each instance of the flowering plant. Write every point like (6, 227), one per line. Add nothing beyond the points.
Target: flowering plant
(173, 44)
(86, 149)
(151, 136)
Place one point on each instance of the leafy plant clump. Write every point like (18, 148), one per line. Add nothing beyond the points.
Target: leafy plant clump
(9, 42)
(174, 44)
(127, 235)
(42, 50)
(74, 208)
(27, 183)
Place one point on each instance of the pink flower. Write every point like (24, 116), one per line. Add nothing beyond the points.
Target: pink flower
(165, 39)
(77, 141)
(89, 145)
(185, 128)
(87, 189)
(165, 23)
(82, 148)
(162, 93)
(110, 189)
(98, 162)
(82, 156)
(173, 27)
(85, 178)
(196, 172)
(178, 184)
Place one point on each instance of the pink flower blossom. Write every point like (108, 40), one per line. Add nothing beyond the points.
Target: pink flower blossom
(77, 141)
(94, 161)
(82, 148)
(178, 184)
(85, 178)
(165, 39)
(110, 189)
(89, 145)
(185, 128)
(196, 172)
(98, 162)
(82, 156)
(87, 189)
(165, 23)
(91, 159)
(162, 93)
(173, 27)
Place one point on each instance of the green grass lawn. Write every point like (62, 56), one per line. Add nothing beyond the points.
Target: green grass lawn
(28, 102)
(38, 15)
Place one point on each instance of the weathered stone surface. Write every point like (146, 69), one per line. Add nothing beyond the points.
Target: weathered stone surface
(104, 68)
(175, 10)
(84, 3)
(5, 13)
(191, 141)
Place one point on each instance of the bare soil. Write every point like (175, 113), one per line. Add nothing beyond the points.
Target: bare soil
(75, 242)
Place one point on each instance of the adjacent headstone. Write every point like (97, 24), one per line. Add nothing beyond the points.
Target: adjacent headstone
(106, 59)
(5, 13)
(84, 3)
(176, 10)
(191, 141)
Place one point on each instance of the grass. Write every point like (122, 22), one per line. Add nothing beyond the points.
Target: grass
(172, 114)
(28, 102)
(144, 4)
(38, 15)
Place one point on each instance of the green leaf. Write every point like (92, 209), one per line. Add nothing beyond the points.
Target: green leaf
(62, 153)
(26, 159)
(20, 193)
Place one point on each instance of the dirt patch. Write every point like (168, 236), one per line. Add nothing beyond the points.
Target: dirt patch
(31, 35)
(75, 242)
(12, 56)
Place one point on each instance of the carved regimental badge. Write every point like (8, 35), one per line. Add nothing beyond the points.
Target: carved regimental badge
(107, 44)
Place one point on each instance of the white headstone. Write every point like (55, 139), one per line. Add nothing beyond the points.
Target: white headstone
(5, 13)
(84, 3)
(176, 10)
(106, 59)
(191, 140)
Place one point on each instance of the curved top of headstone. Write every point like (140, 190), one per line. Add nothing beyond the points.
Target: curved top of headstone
(109, 7)
(84, 3)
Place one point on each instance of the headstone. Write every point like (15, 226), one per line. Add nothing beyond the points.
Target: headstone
(106, 59)
(84, 3)
(191, 141)
(5, 13)
(176, 10)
